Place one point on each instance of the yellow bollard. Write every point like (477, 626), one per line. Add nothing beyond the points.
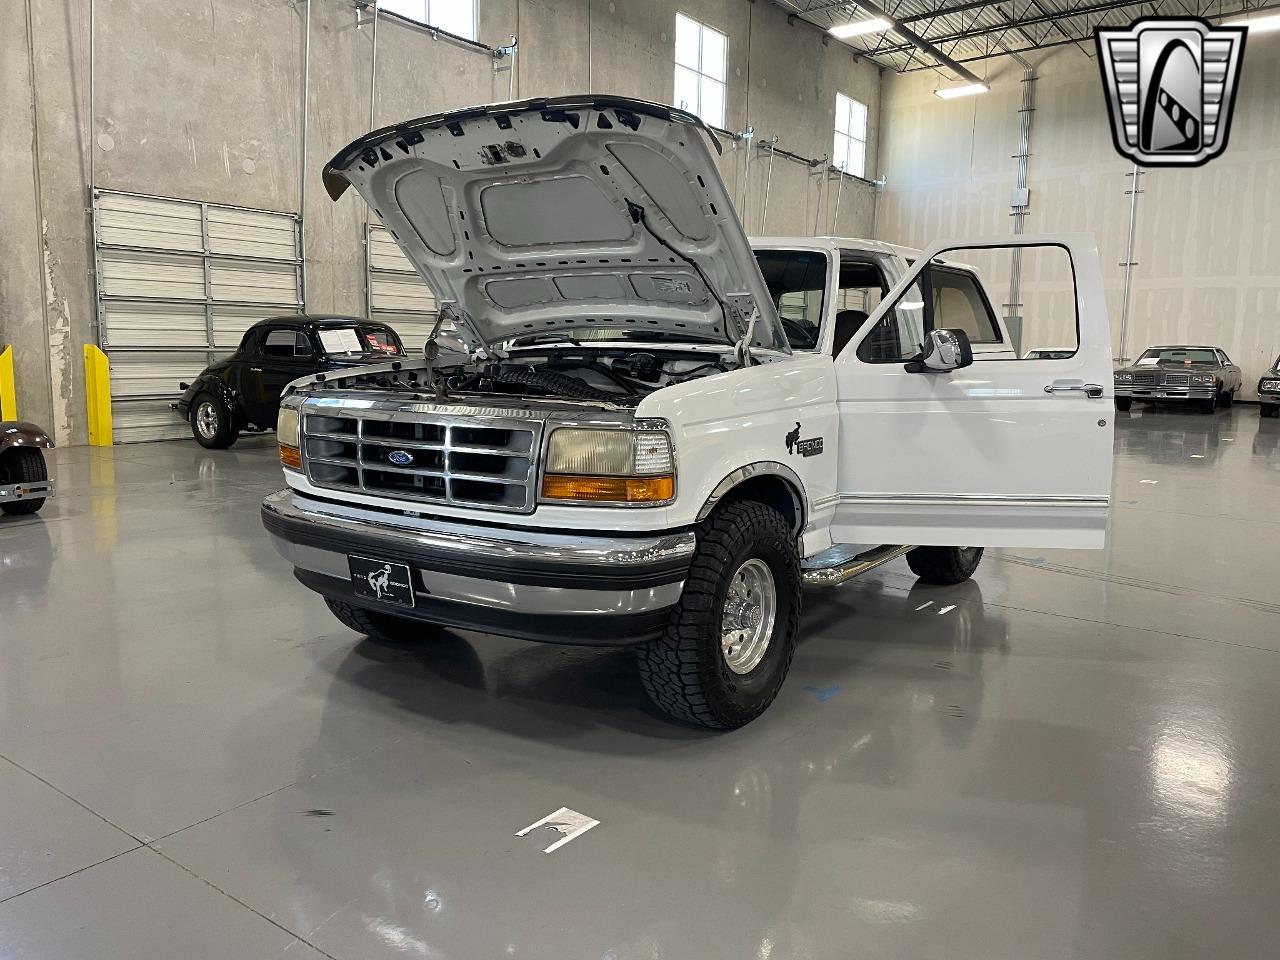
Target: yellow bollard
(8, 396)
(97, 395)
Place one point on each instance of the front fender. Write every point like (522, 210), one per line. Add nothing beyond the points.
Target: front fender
(22, 433)
(781, 413)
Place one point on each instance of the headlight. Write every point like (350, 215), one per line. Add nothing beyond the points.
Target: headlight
(1204, 378)
(287, 437)
(1124, 377)
(1269, 385)
(616, 466)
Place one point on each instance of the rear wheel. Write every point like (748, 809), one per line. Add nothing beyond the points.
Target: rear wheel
(944, 564)
(211, 423)
(385, 627)
(728, 645)
(1124, 403)
(22, 465)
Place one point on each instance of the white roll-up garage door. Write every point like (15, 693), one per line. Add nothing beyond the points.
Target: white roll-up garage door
(178, 283)
(396, 294)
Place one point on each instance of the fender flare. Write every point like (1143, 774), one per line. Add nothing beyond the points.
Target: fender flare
(22, 433)
(205, 383)
(761, 468)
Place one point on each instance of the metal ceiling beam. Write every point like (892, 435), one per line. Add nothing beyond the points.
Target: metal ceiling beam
(1045, 17)
(1205, 10)
(920, 43)
(942, 11)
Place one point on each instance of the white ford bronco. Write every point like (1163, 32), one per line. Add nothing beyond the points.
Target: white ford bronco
(656, 432)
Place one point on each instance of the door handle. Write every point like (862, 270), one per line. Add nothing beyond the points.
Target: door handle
(1074, 386)
(259, 370)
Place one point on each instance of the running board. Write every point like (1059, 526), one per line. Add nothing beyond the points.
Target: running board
(834, 566)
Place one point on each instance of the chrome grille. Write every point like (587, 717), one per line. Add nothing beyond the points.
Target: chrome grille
(1144, 378)
(1177, 379)
(471, 461)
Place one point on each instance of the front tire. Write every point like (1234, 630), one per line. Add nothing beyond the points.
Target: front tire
(1124, 403)
(729, 642)
(1269, 409)
(383, 627)
(1209, 406)
(944, 564)
(211, 423)
(22, 465)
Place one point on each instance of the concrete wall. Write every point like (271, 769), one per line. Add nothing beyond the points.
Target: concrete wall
(203, 100)
(1206, 238)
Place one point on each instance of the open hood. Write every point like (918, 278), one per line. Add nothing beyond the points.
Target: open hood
(576, 213)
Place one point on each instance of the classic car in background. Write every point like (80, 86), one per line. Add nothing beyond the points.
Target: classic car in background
(1202, 376)
(243, 391)
(1269, 391)
(24, 478)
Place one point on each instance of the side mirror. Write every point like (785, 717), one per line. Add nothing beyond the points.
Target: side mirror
(944, 350)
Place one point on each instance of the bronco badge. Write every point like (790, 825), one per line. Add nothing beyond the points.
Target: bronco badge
(806, 448)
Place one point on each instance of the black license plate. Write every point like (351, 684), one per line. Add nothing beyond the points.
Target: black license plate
(381, 581)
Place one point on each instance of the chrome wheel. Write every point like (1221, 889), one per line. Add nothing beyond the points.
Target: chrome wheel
(746, 624)
(206, 420)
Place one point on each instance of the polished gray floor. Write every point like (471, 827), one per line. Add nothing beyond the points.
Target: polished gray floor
(1075, 755)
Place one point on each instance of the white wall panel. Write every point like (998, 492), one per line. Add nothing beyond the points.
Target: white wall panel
(178, 283)
(396, 294)
(126, 220)
(400, 293)
(143, 325)
(160, 276)
(252, 233)
(242, 282)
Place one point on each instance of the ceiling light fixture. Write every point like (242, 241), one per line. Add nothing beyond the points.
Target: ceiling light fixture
(1257, 25)
(965, 90)
(860, 27)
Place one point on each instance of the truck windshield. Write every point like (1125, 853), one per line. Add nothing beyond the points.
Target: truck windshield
(1178, 355)
(797, 282)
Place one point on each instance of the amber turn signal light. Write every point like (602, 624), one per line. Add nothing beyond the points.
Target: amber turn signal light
(291, 457)
(609, 489)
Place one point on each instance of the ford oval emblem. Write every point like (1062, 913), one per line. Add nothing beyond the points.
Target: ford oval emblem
(401, 458)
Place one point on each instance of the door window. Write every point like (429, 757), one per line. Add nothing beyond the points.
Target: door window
(899, 335)
(285, 345)
(862, 286)
(1044, 325)
(960, 304)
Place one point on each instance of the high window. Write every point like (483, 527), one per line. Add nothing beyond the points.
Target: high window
(700, 70)
(850, 151)
(452, 16)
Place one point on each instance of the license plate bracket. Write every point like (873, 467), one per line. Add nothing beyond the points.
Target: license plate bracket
(381, 580)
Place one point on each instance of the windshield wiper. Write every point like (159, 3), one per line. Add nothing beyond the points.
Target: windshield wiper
(626, 337)
(541, 337)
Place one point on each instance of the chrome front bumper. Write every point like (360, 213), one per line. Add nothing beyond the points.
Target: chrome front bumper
(1165, 393)
(521, 582)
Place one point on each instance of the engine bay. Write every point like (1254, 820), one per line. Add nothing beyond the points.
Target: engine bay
(620, 376)
(623, 376)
